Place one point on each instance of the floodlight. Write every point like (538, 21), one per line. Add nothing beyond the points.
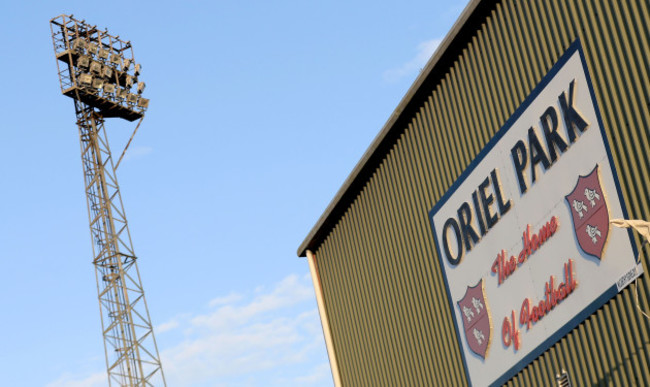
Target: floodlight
(143, 102)
(98, 83)
(92, 48)
(79, 44)
(121, 93)
(85, 80)
(103, 53)
(83, 62)
(107, 72)
(129, 81)
(95, 79)
(101, 73)
(96, 67)
(116, 59)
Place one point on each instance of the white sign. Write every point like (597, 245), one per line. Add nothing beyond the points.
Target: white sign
(523, 235)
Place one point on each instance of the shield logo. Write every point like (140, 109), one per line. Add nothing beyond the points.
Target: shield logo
(476, 319)
(588, 206)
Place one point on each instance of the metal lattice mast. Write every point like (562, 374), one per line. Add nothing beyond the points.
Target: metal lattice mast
(131, 352)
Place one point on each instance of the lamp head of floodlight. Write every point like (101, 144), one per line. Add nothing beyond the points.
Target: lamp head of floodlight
(79, 44)
(98, 83)
(96, 67)
(83, 62)
(107, 71)
(109, 88)
(127, 63)
(141, 86)
(85, 80)
(93, 48)
(121, 93)
(137, 69)
(103, 54)
(116, 60)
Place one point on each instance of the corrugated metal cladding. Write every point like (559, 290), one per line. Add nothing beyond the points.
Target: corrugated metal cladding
(382, 283)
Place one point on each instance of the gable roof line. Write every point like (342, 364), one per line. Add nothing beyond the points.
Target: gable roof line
(432, 72)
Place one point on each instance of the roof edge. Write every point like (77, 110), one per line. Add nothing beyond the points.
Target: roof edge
(390, 130)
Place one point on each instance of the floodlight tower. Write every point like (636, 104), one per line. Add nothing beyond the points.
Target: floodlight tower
(97, 70)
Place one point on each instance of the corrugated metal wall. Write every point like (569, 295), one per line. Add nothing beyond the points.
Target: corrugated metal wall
(381, 279)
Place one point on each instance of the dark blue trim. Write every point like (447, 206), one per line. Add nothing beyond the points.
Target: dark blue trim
(459, 338)
(603, 298)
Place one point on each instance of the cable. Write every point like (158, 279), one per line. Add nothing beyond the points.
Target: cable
(127, 144)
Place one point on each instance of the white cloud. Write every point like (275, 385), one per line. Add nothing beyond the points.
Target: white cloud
(290, 291)
(98, 379)
(264, 338)
(168, 326)
(268, 336)
(229, 299)
(137, 151)
(413, 66)
(319, 373)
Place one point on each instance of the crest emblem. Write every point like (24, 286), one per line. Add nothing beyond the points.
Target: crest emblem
(476, 319)
(590, 214)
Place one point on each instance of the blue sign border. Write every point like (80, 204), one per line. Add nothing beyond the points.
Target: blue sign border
(603, 298)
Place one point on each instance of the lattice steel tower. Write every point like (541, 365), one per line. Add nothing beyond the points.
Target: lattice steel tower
(97, 70)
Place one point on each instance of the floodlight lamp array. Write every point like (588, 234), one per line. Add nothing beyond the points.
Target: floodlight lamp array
(101, 70)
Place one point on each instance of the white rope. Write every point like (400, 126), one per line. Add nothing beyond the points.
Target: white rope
(636, 285)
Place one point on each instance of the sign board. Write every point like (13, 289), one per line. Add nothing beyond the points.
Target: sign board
(523, 235)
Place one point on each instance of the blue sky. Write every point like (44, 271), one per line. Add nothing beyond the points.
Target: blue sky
(259, 111)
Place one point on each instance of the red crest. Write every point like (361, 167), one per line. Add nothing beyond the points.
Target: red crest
(476, 319)
(590, 214)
